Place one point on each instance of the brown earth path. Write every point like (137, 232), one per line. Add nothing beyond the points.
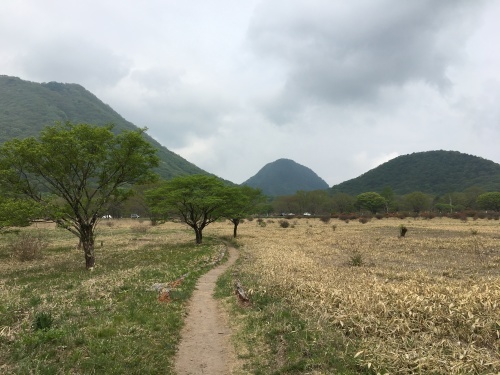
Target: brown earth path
(205, 346)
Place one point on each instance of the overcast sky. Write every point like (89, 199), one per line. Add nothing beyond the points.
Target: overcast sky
(338, 86)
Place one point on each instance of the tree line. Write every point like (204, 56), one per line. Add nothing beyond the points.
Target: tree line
(320, 202)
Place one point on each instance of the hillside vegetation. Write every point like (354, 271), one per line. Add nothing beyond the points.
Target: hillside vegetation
(431, 172)
(285, 177)
(27, 107)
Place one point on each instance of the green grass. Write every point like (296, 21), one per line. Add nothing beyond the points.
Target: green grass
(58, 318)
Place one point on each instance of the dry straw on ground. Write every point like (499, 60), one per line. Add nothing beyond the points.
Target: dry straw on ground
(426, 303)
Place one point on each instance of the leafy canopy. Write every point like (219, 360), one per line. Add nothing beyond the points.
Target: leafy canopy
(489, 201)
(76, 171)
(17, 212)
(371, 201)
(197, 200)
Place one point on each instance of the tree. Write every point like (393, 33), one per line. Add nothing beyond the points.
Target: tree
(343, 202)
(197, 199)
(371, 201)
(388, 195)
(417, 201)
(243, 201)
(76, 171)
(489, 201)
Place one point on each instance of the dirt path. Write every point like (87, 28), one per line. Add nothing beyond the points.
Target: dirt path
(205, 346)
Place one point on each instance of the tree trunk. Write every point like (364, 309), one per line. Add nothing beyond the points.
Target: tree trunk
(235, 229)
(87, 240)
(199, 236)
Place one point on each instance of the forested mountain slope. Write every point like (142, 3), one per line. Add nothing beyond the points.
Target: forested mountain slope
(285, 177)
(433, 172)
(27, 107)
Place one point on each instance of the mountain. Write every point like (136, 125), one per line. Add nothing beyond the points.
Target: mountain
(285, 177)
(432, 172)
(27, 107)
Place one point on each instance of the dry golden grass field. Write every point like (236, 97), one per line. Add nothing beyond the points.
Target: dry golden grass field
(426, 303)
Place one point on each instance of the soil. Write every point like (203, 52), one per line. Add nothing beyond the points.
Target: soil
(205, 346)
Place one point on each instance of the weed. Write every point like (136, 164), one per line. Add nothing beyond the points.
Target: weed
(356, 259)
(28, 246)
(43, 321)
(402, 230)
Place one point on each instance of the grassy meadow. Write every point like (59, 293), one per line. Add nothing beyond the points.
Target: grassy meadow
(347, 297)
(336, 297)
(58, 318)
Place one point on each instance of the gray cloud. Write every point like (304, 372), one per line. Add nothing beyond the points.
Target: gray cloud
(345, 54)
(74, 60)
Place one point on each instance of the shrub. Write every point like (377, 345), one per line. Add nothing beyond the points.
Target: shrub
(284, 224)
(325, 219)
(364, 220)
(356, 259)
(28, 246)
(402, 230)
(334, 227)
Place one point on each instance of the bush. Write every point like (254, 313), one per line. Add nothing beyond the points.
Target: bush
(28, 246)
(402, 230)
(356, 259)
(284, 224)
(325, 219)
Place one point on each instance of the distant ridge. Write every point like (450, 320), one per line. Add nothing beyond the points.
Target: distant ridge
(27, 107)
(285, 177)
(432, 172)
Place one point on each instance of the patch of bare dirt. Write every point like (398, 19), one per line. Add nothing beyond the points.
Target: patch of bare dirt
(205, 346)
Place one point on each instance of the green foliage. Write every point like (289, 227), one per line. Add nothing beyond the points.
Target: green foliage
(15, 212)
(356, 259)
(489, 201)
(431, 172)
(371, 201)
(417, 201)
(243, 201)
(27, 107)
(285, 177)
(76, 171)
(343, 203)
(197, 200)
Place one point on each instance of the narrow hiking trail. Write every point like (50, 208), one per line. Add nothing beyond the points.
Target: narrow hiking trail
(205, 346)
